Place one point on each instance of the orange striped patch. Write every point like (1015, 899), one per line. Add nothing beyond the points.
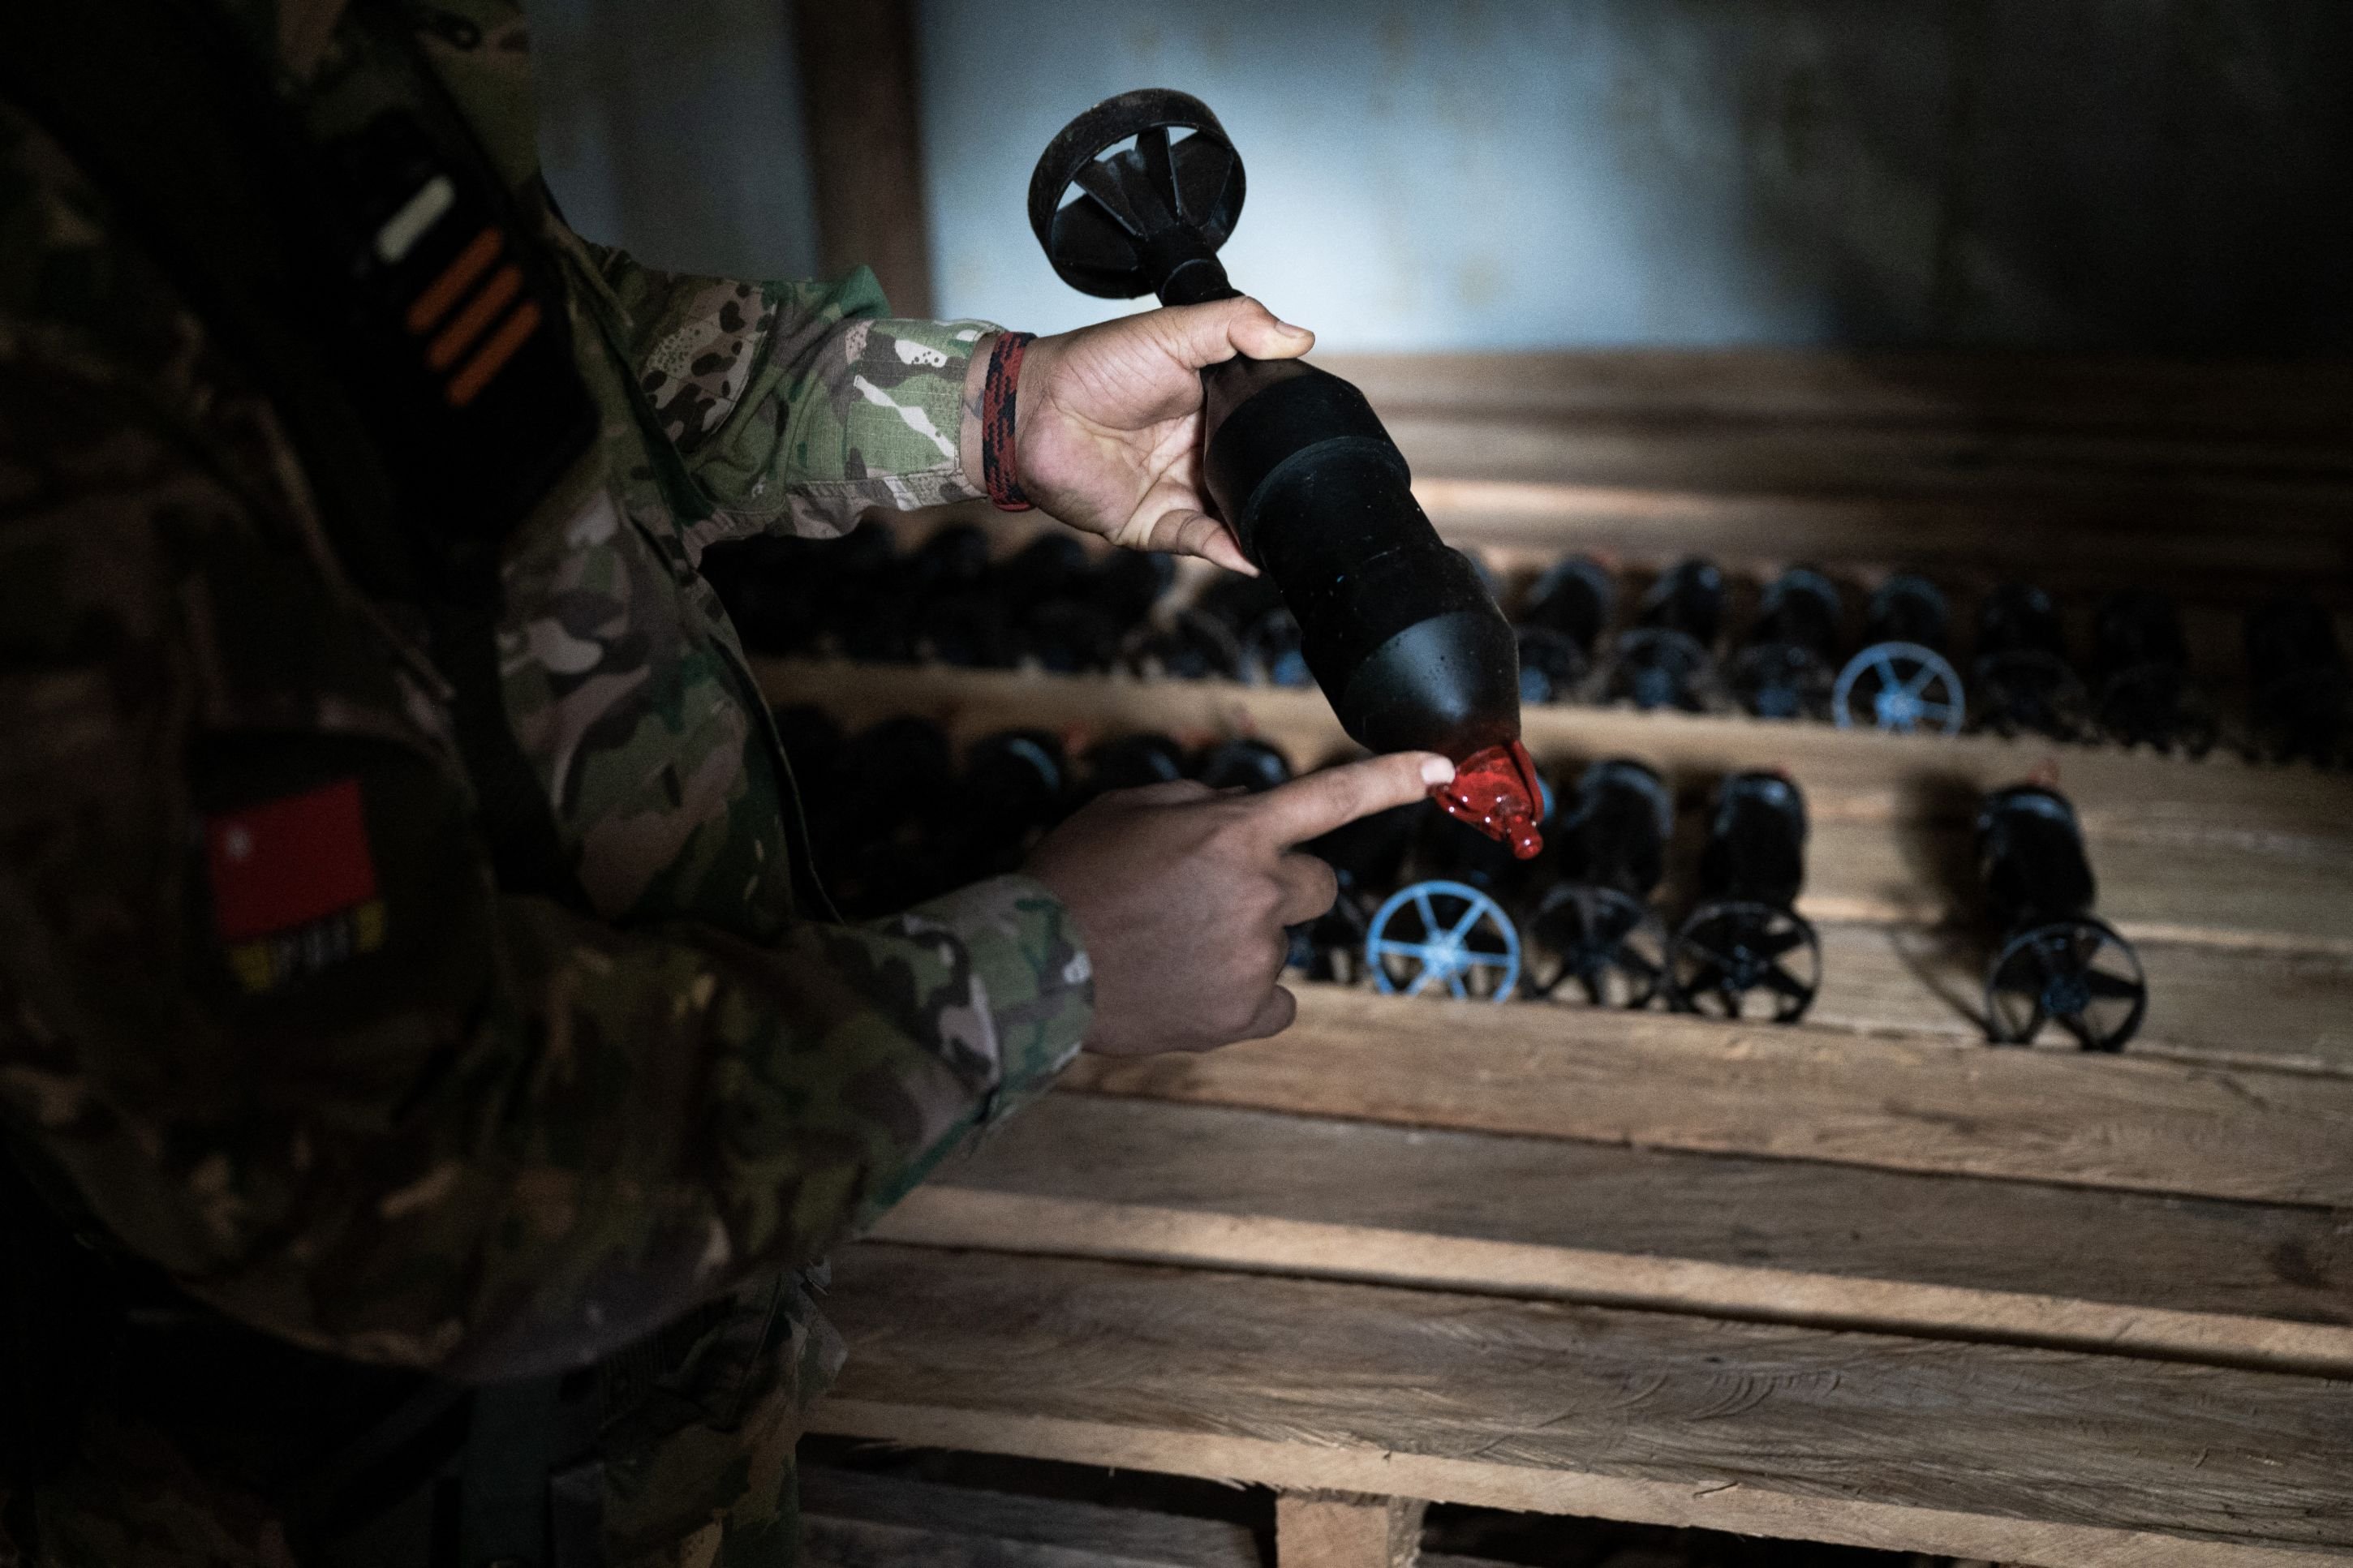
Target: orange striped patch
(512, 334)
(480, 312)
(456, 278)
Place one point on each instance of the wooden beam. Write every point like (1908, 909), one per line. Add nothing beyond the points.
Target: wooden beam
(2284, 895)
(2067, 544)
(1763, 1240)
(2225, 1006)
(1970, 1450)
(2290, 402)
(1659, 1080)
(858, 67)
(2131, 1249)
(2213, 851)
(851, 1518)
(1850, 775)
(2090, 474)
(948, 1217)
(1346, 1529)
(2183, 478)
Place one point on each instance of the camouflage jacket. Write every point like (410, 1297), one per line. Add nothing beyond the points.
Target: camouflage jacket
(264, 1015)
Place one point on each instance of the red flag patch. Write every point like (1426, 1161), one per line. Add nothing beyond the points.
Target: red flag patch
(285, 863)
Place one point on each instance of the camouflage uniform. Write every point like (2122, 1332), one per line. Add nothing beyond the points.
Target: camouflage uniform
(441, 1126)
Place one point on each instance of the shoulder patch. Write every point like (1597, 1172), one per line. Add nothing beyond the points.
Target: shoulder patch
(294, 884)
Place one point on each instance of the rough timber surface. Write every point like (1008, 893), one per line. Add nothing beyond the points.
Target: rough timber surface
(2216, 481)
(1847, 773)
(1863, 1280)
(2232, 876)
(854, 1519)
(1993, 1451)
(1867, 774)
(1782, 1240)
(2228, 1007)
(1659, 1080)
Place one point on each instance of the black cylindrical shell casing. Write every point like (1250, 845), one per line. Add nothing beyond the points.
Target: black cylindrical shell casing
(1755, 842)
(1399, 631)
(2031, 857)
(1614, 833)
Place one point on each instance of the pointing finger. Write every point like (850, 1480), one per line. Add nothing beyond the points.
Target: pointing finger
(1310, 807)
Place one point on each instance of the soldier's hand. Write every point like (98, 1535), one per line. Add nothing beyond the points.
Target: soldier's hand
(1107, 422)
(1182, 895)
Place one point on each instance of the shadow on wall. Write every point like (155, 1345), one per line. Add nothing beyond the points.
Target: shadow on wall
(675, 131)
(2166, 175)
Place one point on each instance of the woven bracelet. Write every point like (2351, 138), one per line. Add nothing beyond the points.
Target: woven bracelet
(997, 472)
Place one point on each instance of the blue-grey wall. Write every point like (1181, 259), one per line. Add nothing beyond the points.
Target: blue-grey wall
(673, 127)
(2171, 174)
(2145, 175)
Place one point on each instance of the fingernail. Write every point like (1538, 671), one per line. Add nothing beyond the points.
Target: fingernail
(1294, 332)
(1436, 770)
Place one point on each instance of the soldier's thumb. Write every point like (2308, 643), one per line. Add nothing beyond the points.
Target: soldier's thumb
(1203, 335)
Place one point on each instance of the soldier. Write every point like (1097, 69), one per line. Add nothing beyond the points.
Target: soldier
(425, 1102)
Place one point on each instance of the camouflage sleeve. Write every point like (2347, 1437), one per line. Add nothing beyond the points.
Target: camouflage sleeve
(634, 1123)
(798, 405)
(363, 1100)
(662, 1115)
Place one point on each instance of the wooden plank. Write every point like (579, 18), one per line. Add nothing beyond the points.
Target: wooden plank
(1975, 1450)
(2223, 1006)
(2079, 473)
(2229, 876)
(2268, 403)
(858, 81)
(2179, 476)
(2073, 545)
(959, 1218)
(1659, 1080)
(1346, 1529)
(2283, 894)
(1851, 773)
(2212, 851)
(1769, 1240)
(850, 1519)
(2213, 599)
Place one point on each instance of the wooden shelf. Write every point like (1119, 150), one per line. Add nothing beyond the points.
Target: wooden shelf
(2001, 1452)
(2219, 482)
(1657, 1269)
(1865, 1279)
(2232, 877)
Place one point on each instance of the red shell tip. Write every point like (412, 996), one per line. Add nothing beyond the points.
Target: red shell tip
(1495, 791)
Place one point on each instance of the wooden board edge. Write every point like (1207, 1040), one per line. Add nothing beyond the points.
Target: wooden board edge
(916, 1524)
(1346, 1529)
(945, 1215)
(1730, 1506)
(1895, 1101)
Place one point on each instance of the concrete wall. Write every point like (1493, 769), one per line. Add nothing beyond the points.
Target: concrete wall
(673, 127)
(2151, 174)
(2169, 174)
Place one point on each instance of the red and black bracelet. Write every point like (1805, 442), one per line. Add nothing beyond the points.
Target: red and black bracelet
(996, 473)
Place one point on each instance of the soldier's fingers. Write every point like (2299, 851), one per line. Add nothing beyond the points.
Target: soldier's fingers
(1274, 1015)
(1203, 335)
(1175, 792)
(1309, 807)
(1308, 885)
(1187, 532)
